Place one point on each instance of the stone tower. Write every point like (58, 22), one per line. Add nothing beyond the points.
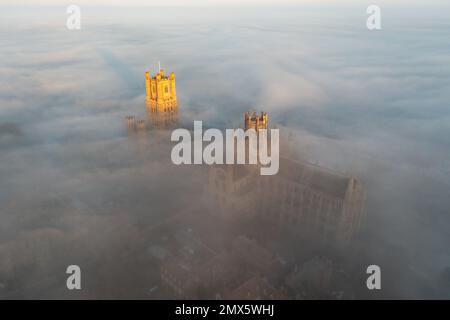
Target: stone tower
(161, 94)
(255, 121)
(161, 99)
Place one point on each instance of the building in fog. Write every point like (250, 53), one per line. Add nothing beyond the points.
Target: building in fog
(304, 195)
(161, 99)
(190, 269)
(255, 121)
(301, 196)
(161, 92)
(161, 104)
(257, 288)
(312, 279)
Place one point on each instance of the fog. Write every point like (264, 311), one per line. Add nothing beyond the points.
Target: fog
(76, 188)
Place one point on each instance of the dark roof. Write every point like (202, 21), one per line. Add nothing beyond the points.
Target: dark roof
(314, 177)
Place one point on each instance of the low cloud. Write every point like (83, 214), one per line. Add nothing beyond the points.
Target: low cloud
(74, 187)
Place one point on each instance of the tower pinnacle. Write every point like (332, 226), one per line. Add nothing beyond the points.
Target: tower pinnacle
(161, 95)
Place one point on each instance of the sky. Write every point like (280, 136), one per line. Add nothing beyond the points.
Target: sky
(370, 104)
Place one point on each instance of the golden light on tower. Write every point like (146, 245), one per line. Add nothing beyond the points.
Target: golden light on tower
(161, 99)
(161, 93)
(256, 121)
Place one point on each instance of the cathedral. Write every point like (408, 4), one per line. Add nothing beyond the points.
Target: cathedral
(302, 197)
